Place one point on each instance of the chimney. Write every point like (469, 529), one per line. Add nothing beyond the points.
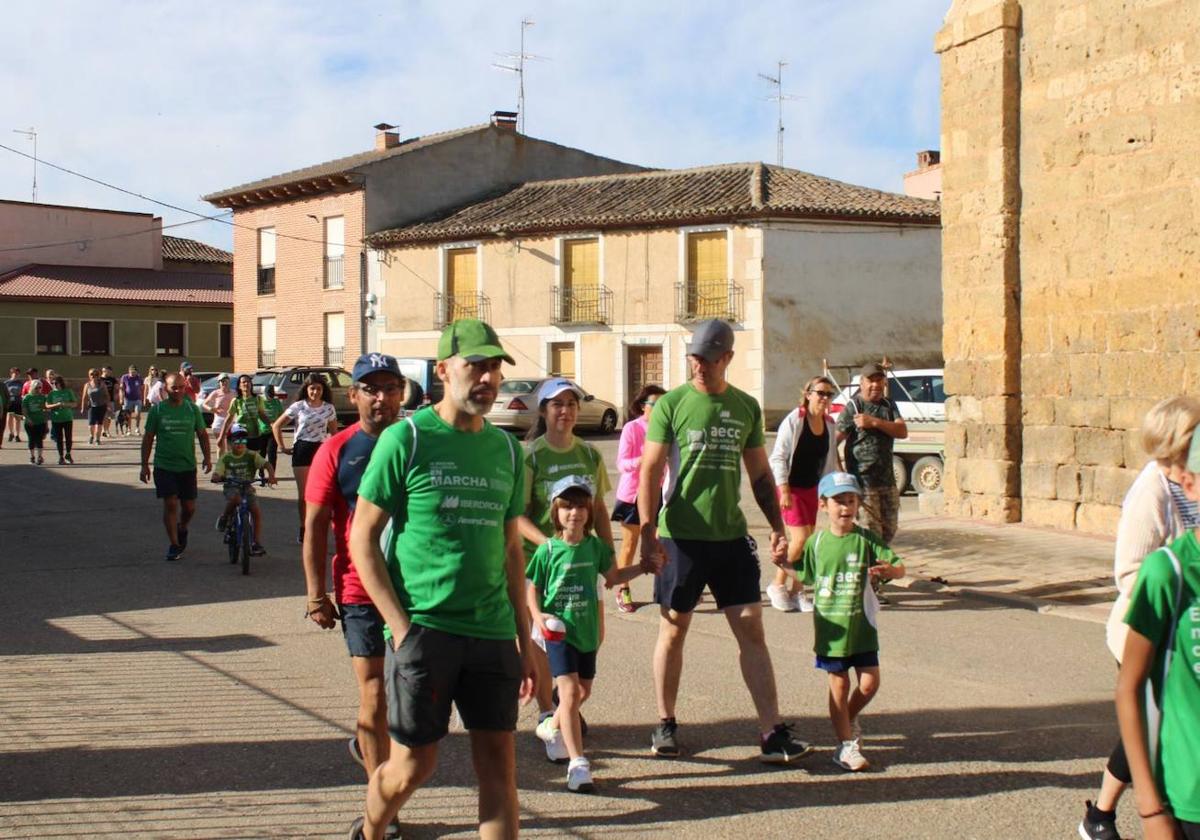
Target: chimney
(928, 158)
(385, 138)
(506, 120)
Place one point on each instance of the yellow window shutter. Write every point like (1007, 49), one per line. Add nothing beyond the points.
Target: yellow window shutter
(581, 264)
(461, 273)
(706, 257)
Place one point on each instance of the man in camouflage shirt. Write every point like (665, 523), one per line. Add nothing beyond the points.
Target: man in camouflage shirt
(869, 424)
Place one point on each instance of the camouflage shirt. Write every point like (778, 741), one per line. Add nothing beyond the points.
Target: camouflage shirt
(869, 451)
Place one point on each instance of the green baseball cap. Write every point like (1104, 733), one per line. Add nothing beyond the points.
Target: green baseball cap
(473, 340)
(1193, 461)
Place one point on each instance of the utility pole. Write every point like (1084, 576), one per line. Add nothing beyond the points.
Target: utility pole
(780, 97)
(518, 67)
(32, 135)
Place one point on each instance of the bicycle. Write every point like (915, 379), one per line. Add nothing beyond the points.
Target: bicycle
(239, 530)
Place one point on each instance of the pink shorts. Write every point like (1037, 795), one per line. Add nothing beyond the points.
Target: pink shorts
(803, 509)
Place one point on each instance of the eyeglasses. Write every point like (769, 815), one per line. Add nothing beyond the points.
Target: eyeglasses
(828, 395)
(650, 403)
(573, 504)
(389, 390)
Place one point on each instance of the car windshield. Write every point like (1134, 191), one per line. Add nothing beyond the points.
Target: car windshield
(261, 379)
(519, 386)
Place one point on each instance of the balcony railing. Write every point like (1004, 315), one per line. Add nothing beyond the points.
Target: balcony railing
(699, 301)
(334, 279)
(588, 305)
(333, 356)
(266, 358)
(266, 279)
(449, 308)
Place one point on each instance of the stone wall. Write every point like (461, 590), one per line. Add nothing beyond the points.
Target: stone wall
(1085, 299)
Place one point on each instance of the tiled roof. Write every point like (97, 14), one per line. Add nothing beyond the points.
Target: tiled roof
(189, 250)
(131, 286)
(668, 197)
(341, 166)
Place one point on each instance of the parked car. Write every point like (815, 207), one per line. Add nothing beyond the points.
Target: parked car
(920, 395)
(516, 407)
(423, 385)
(208, 385)
(288, 383)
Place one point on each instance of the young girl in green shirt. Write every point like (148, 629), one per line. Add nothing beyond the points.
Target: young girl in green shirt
(61, 403)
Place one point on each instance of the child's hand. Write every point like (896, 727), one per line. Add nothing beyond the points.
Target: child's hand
(216, 479)
(877, 572)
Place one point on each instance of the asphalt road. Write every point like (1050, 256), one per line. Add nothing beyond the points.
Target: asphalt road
(153, 699)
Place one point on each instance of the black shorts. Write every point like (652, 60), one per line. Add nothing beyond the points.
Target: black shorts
(179, 484)
(729, 569)
(432, 668)
(96, 414)
(303, 452)
(568, 659)
(362, 625)
(14, 407)
(626, 513)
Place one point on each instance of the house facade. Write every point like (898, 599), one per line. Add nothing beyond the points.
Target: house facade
(602, 279)
(305, 287)
(152, 299)
(1070, 258)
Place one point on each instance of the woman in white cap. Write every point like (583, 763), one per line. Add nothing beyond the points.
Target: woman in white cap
(218, 403)
(553, 452)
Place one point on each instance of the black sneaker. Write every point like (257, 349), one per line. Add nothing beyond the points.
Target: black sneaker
(182, 532)
(781, 748)
(1098, 825)
(256, 550)
(662, 740)
(70, 460)
(174, 552)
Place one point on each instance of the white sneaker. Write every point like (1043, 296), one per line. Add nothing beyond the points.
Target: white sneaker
(778, 595)
(848, 757)
(804, 603)
(579, 776)
(556, 750)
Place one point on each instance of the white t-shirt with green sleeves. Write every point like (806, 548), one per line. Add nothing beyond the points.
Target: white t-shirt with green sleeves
(1152, 606)
(566, 575)
(706, 434)
(545, 465)
(450, 494)
(836, 568)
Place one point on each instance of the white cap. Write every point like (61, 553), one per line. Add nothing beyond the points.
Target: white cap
(551, 388)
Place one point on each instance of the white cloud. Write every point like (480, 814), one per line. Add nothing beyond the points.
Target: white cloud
(176, 99)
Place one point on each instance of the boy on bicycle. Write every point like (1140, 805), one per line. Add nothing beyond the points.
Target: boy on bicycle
(237, 465)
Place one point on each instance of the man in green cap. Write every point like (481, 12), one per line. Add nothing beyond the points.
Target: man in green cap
(450, 583)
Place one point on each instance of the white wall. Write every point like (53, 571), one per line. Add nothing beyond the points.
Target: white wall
(848, 293)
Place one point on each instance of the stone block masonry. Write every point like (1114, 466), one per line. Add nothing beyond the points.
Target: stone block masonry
(1071, 247)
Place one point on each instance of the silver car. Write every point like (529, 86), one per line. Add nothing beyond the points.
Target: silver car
(516, 407)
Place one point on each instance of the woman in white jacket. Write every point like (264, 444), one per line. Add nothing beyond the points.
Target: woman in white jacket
(1154, 513)
(805, 449)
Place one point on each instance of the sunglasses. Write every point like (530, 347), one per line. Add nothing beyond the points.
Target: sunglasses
(824, 394)
(389, 390)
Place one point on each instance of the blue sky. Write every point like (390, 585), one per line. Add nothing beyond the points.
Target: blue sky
(177, 99)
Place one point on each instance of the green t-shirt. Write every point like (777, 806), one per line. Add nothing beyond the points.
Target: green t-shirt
(33, 409)
(544, 465)
(450, 493)
(1152, 607)
(566, 576)
(243, 466)
(843, 611)
(707, 434)
(174, 428)
(245, 413)
(869, 451)
(273, 407)
(63, 414)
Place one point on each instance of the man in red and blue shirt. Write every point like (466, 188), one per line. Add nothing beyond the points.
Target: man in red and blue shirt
(331, 494)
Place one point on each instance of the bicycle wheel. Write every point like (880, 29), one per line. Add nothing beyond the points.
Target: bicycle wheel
(231, 539)
(247, 539)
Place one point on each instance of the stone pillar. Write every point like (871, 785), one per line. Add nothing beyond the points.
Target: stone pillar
(980, 258)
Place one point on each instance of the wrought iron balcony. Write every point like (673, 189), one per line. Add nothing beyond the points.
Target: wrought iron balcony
(333, 356)
(721, 299)
(589, 305)
(266, 358)
(334, 278)
(449, 308)
(266, 279)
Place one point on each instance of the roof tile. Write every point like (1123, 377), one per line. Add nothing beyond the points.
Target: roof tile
(189, 250)
(142, 286)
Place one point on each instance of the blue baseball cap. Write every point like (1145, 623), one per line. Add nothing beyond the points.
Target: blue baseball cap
(551, 388)
(835, 483)
(369, 363)
(571, 482)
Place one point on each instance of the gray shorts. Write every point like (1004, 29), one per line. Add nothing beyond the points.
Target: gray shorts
(362, 625)
(432, 669)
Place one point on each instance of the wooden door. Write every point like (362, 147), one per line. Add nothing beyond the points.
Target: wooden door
(645, 368)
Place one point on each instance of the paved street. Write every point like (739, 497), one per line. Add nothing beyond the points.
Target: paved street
(184, 700)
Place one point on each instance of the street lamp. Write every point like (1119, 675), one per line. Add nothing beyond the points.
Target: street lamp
(32, 135)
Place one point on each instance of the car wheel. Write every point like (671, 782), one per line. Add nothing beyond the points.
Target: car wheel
(900, 471)
(608, 423)
(927, 474)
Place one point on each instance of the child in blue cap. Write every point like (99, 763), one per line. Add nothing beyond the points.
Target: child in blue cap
(838, 563)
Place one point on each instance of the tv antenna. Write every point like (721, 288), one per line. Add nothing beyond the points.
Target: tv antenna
(31, 133)
(780, 97)
(517, 65)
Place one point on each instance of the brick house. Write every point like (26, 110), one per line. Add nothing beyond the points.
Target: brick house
(602, 278)
(302, 280)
